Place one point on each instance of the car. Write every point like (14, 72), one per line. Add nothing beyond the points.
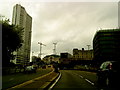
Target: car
(108, 74)
(30, 69)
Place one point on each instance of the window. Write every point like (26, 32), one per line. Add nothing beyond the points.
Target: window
(104, 65)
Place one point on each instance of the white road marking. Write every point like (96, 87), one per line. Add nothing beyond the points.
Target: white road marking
(55, 82)
(85, 79)
(74, 74)
(80, 76)
(89, 81)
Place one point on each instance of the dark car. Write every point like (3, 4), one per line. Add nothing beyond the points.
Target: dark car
(108, 74)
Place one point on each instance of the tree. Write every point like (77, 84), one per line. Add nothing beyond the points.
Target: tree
(11, 41)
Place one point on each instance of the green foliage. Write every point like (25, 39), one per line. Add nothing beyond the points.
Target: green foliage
(11, 40)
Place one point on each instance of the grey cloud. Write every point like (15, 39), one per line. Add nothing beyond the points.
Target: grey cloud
(72, 24)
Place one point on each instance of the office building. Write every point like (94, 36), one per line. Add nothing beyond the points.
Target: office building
(106, 45)
(24, 20)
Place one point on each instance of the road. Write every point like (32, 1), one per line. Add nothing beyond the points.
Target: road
(77, 79)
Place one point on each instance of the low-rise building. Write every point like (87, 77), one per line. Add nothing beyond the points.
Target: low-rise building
(82, 54)
(51, 58)
(65, 58)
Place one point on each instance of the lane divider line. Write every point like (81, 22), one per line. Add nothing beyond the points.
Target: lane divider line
(89, 81)
(80, 76)
(85, 79)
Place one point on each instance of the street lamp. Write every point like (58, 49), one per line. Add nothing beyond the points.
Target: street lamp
(88, 47)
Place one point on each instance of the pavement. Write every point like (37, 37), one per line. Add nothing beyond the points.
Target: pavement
(42, 82)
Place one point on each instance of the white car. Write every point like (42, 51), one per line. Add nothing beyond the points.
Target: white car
(30, 69)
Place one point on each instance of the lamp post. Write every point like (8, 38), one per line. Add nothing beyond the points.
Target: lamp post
(88, 47)
(88, 51)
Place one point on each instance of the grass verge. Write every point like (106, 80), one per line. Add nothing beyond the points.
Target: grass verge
(15, 79)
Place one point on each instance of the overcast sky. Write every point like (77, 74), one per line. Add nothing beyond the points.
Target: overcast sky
(69, 24)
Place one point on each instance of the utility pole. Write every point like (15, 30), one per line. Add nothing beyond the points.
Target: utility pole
(39, 55)
(88, 47)
(54, 49)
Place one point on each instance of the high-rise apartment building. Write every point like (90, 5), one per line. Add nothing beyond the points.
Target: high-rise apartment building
(24, 20)
(119, 14)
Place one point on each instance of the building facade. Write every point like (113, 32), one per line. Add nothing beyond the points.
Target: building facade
(106, 45)
(23, 19)
(119, 14)
(82, 54)
(51, 58)
(65, 58)
(65, 55)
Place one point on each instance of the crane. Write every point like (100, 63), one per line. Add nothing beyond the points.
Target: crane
(54, 50)
(39, 55)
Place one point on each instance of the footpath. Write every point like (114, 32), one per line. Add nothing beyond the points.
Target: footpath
(42, 82)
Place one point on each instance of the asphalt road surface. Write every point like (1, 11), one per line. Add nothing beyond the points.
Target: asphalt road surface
(81, 80)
